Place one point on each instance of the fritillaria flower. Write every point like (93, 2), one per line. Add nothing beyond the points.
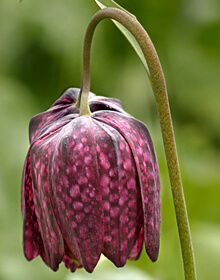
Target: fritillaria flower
(90, 186)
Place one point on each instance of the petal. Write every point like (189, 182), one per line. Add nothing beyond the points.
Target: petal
(28, 212)
(139, 140)
(42, 196)
(123, 214)
(106, 100)
(62, 107)
(55, 125)
(67, 260)
(43, 121)
(77, 193)
(70, 96)
(32, 241)
(70, 264)
(137, 248)
(100, 103)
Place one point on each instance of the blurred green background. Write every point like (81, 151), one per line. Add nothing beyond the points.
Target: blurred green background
(41, 55)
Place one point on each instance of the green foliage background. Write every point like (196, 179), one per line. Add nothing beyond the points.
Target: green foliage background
(41, 55)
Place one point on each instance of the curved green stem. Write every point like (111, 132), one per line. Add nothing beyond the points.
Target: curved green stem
(160, 92)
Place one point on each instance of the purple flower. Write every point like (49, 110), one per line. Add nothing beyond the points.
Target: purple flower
(90, 185)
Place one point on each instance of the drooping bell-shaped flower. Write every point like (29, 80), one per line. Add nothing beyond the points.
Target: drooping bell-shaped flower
(90, 186)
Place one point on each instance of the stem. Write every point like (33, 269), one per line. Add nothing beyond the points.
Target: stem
(160, 92)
